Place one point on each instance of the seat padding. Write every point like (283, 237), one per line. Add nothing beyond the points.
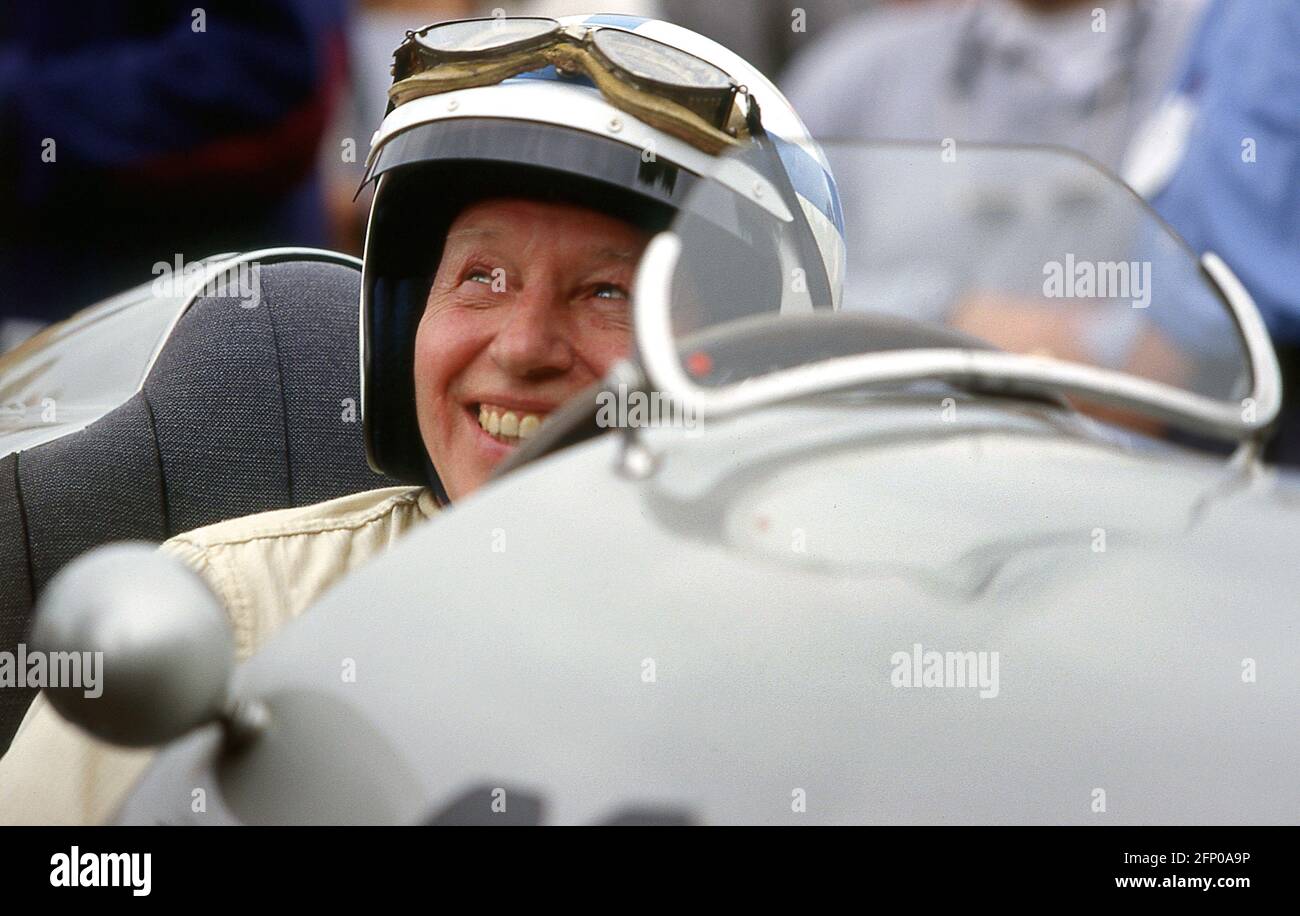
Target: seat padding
(245, 410)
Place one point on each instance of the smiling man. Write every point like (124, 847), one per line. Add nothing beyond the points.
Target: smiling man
(513, 201)
(530, 304)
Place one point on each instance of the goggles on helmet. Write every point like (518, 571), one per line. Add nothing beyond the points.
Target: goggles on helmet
(670, 89)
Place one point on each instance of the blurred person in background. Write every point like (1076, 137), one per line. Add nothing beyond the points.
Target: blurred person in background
(767, 33)
(1083, 74)
(133, 132)
(1078, 73)
(1223, 167)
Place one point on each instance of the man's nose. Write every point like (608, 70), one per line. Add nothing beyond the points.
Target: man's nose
(533, 340)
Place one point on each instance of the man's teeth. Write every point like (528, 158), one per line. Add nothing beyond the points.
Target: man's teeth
(508, 424)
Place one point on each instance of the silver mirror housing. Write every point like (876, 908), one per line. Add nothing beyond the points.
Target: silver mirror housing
(153, 631)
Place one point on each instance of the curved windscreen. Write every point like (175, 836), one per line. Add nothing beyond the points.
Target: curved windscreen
(1028, 251)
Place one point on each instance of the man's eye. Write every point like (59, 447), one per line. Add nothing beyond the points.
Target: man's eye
(609, 291)
(478, 275)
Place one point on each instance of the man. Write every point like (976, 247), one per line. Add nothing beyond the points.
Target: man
(505, 228)
(1079, 73)
(1232, 186)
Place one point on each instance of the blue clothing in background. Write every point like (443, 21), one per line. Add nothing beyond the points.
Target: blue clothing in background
(1243, 77)
(171, 134)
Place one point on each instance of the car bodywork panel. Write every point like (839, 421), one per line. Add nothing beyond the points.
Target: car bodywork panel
(716, 640)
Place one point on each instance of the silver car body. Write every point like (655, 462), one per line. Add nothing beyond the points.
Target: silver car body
(841, 598)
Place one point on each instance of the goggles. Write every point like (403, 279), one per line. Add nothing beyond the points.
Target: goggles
(677, 92)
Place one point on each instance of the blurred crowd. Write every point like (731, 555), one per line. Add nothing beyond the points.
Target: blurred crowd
(133, 130)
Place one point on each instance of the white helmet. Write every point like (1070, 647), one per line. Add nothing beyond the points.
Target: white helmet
(556, 135)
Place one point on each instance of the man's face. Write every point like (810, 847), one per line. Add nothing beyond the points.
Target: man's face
(529, 306)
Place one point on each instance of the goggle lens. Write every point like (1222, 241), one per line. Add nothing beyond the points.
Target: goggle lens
(485, 34)
(646, 59)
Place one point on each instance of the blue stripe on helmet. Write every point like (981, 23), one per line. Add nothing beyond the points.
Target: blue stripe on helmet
(623, 22)
(810, 180)
(550, 73)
